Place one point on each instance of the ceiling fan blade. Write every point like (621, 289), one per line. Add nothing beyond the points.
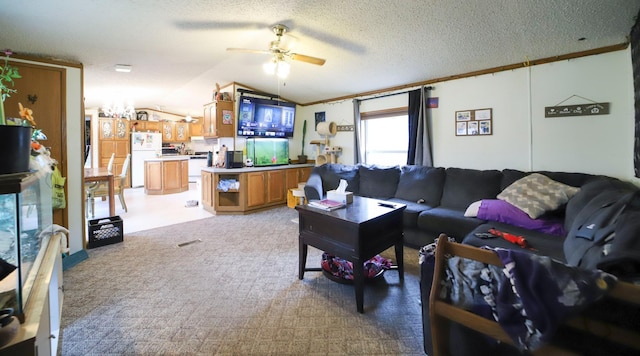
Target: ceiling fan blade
(249, 50)
(307, 59)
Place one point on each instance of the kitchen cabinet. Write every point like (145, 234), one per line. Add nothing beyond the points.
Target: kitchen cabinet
(218, 119)
(256, 185)
(114, 138)
(145, 126)
(259, 187)
(168, 131)
(166, 175)
(276, 192)
(195, 129)
(182, 132)
(297, 175)
(175, 131)
(207, 188)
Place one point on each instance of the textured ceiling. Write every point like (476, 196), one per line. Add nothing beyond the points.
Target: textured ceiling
(178, 48)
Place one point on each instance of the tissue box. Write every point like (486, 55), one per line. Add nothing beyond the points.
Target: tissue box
(345, 197)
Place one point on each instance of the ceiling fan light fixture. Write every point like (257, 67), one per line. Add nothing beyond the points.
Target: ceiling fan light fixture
(270, 67)
(283, 69)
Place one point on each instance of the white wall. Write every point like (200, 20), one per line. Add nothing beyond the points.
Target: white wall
(522, 137)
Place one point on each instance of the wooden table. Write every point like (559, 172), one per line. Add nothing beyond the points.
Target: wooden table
(101, 174)
(355, 233)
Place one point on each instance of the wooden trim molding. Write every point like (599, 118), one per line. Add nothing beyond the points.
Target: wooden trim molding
(613, 48)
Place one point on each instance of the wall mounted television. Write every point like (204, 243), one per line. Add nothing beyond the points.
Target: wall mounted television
(258, 117)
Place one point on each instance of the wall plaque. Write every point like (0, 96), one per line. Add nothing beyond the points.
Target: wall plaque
(577, 110)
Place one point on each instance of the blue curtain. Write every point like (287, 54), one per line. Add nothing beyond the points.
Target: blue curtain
(419, 152)
(358, 150)
(635, 61)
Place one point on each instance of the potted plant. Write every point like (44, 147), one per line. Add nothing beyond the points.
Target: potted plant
(303, 158)
(15, 135)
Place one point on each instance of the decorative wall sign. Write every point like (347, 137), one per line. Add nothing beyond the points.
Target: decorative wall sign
(577, 110)
(474, 122)
(227, 118)
(587, 109)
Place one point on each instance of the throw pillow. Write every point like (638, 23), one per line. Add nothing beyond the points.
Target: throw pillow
(536, 194)
(501, 211)
(472, 210)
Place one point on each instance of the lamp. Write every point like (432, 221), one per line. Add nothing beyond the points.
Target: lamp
(277, 66)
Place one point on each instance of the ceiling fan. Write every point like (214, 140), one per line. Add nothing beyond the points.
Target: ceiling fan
(280, 54)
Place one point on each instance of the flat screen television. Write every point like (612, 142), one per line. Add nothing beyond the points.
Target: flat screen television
(258, 117)
(268, 151)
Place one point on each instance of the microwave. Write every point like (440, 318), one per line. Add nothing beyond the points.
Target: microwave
(233, 159)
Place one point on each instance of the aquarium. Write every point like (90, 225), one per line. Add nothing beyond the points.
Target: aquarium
(25, 230)
(268, 151)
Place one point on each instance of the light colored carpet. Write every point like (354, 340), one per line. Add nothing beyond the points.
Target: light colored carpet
(234, 293)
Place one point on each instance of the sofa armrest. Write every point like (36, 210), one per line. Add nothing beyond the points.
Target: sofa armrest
(313, 188)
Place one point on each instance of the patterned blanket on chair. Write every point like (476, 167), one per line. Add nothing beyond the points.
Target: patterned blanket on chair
(530, 297)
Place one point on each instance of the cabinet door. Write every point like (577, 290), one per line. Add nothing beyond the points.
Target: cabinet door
(168, 132)
(207, 196)
(276, 186)
(256, 189)
(152, 126)
(182, 131)
(184, 174)
(195, 129)
(304, 174)
(107, 129)
(171, 172)
(121, 127)
(208, 123)
(292, 178)
(153, 176)
(224, 119)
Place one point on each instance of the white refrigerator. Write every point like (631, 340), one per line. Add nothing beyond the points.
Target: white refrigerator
(143, 145)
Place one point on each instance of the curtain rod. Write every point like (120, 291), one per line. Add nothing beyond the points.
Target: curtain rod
(392, 94)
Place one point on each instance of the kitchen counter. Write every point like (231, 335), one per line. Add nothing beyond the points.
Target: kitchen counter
(253, 189)
(254, 169)
(166, 175)
(167, 158)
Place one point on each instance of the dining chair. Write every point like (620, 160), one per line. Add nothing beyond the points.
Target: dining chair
(118, 186)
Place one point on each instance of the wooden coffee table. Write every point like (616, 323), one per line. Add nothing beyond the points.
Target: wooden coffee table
(355, 233)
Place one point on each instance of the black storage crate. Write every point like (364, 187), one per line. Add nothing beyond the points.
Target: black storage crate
(105, 231)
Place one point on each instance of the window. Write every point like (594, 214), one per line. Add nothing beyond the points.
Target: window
(385, 136)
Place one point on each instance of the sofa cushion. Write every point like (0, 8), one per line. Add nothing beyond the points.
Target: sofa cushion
(421, 184)
(464, 186)
(450, 221)
(332, 173)
(378, 182)
(511, 175)
(411, 212)
(500, 210)
(543, 244)
(536, 194)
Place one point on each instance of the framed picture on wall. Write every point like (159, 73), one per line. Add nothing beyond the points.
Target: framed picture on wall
(320, 117)
(461, 129)
(477, 122)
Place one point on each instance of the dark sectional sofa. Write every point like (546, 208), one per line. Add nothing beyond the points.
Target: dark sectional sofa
(437, 199)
